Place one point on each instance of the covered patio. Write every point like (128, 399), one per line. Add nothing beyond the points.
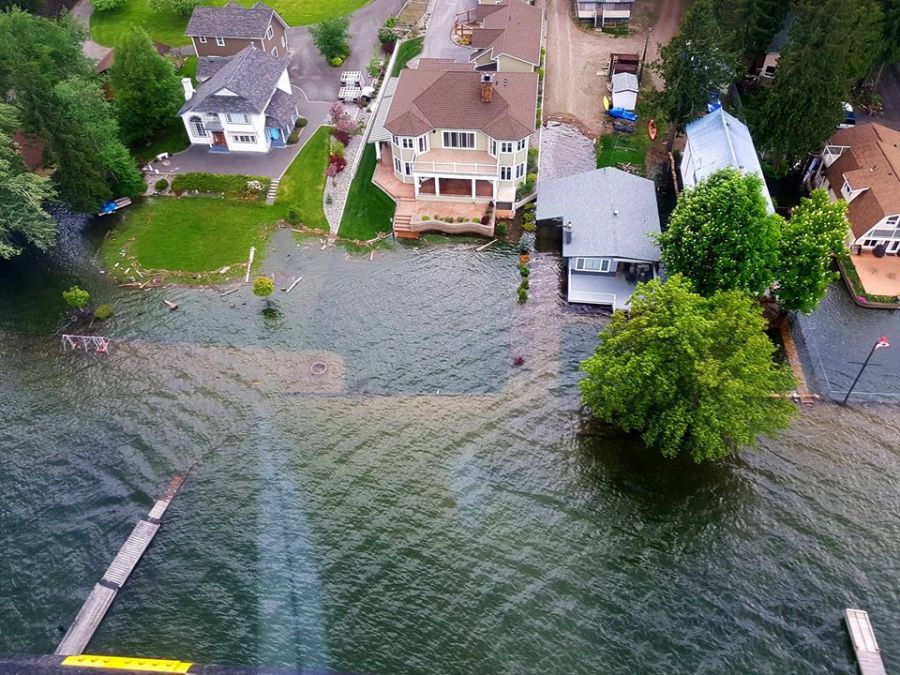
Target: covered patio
(879, 276)
(471, 188)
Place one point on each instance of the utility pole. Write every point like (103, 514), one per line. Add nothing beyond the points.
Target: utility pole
(644, 57)
(879, 343)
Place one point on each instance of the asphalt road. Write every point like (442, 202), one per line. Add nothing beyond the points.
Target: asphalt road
(438, 44)
(313, 75)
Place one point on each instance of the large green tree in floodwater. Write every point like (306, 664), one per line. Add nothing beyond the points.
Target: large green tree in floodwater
(721, 235)
(23, 220)
(694, 64)
(751, 23)
(693, 376)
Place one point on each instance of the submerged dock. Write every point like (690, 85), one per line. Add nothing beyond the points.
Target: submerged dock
(104, 592)
(868, 655)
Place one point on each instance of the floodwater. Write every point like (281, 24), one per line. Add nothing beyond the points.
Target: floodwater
(424, 506)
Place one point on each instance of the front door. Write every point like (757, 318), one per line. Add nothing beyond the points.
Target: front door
(218, 138)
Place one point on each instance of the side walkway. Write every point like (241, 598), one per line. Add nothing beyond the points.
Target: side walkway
(81, 12)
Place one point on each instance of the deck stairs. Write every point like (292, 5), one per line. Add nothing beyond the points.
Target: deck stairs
(273, 190)
(403, 220)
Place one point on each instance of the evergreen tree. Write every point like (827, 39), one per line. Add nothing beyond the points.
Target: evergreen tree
(722, 237)
(146, 88)
(830, 49)
(692, 375)
(696, 63)
(752, 23)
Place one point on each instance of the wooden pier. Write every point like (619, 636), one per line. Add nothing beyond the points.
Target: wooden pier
(101, 597)
(868, 656)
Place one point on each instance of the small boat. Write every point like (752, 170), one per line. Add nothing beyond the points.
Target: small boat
(651, 129)
(622, 114)
(624, 128)
(113, 206)
(605, 103)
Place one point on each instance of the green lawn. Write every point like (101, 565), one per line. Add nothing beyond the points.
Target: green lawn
(172, 138)
(368, 210)
(176, 235)
(303, 185)
(408, 51)
(169, 28)
(618, 148)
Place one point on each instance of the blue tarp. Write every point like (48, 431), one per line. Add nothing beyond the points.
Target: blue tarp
(622, 114)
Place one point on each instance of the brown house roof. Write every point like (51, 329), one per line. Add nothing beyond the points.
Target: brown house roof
(870, 162)
(441, 96)
(512, 27)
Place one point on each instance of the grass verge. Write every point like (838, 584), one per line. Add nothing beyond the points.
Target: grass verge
(106, 27)
(368, 210)
(233, 186)
(172, 138)
(621, 150)
(407, 52)
(303, 184)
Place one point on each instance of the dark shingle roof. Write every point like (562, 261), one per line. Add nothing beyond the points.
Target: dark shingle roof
(510, 27)
(232, 20)
(282, 109)
(207, 66)
(251, 75)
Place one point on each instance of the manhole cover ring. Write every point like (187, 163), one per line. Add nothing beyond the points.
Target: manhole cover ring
(318, 368)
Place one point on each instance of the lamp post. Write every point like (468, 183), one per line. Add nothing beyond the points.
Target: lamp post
(879, 343)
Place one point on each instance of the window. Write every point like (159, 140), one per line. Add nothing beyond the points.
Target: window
(202, 40)
(506, 146)
(870, 243)
(893, 220)
(197, 127)
(406, 142)
(493, 147)
(423, 143)
(220, 41)
(282, 41)
(395, 140)
(397, 164)
(274, 51)
(244, 138)
(520, 170)
(600, 265)
(521, 144)
(270, 32)
(847, 190)
(407, 168)
(237, 118)
(770, 71)
(459, 139)
(505, 173)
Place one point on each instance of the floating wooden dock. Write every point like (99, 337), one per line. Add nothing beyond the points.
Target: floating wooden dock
(868, 656)
(101, 597)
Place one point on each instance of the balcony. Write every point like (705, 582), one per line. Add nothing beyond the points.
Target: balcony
(456, 163)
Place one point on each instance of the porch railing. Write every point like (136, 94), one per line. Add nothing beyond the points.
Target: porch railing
(463, 168)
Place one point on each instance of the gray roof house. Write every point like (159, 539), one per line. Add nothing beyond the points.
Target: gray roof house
(225, 31)
(246, 105)
(608, 218)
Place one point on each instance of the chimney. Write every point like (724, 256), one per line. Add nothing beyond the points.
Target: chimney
(568, 232)
(487, 87)
(188, 88)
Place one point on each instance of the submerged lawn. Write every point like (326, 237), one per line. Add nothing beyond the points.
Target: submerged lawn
(303, 185)
(368, 210)
(106, 27)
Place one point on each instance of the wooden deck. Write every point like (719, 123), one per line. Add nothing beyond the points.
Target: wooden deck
(104, 592)
(868, 655)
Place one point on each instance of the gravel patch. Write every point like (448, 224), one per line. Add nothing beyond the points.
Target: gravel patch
(565, 151)
(339, 187)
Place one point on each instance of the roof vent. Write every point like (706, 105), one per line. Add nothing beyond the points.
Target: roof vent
(615, 212)
(568, 232)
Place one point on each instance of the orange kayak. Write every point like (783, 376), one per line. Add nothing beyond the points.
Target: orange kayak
(651, 129)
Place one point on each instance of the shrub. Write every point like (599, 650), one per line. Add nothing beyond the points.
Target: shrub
(523, 269)
(263, 286)
(230, 185)
(426, 218)
(528, 226)
(293, 216)
(336, 61)
(342, 137)
(76, 297)
(106, 5)
(374, 68)
(485, 219)
(337, 160)
(294, 137)
(182, 7)
(390, 22)
(386, 36)
(161, 185)
(103, 312)
(301, 122)
(523, 295)
(501, 229)
(530, 208)
(524, 283)
(329, 200)
(532, 160)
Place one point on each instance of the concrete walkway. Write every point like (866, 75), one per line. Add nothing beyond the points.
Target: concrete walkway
(438, 43)
(309, 70)
(81, 12)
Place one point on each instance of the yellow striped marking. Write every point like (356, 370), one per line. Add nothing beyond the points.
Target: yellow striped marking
(127, 663)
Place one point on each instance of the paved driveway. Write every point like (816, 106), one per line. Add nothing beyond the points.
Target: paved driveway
(309, 70)
(889, 90)
(438, 44)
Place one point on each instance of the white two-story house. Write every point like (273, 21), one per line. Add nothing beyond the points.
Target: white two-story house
(245, 105)
(456, 133)
(861, 165)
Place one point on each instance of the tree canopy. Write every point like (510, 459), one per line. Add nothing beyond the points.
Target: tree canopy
(752, 23)
(696, 63)
(814, 233)
(146, 88)
(692, 375)
(331, 37)
(830, 48)
(721, 235)
(23, 219)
